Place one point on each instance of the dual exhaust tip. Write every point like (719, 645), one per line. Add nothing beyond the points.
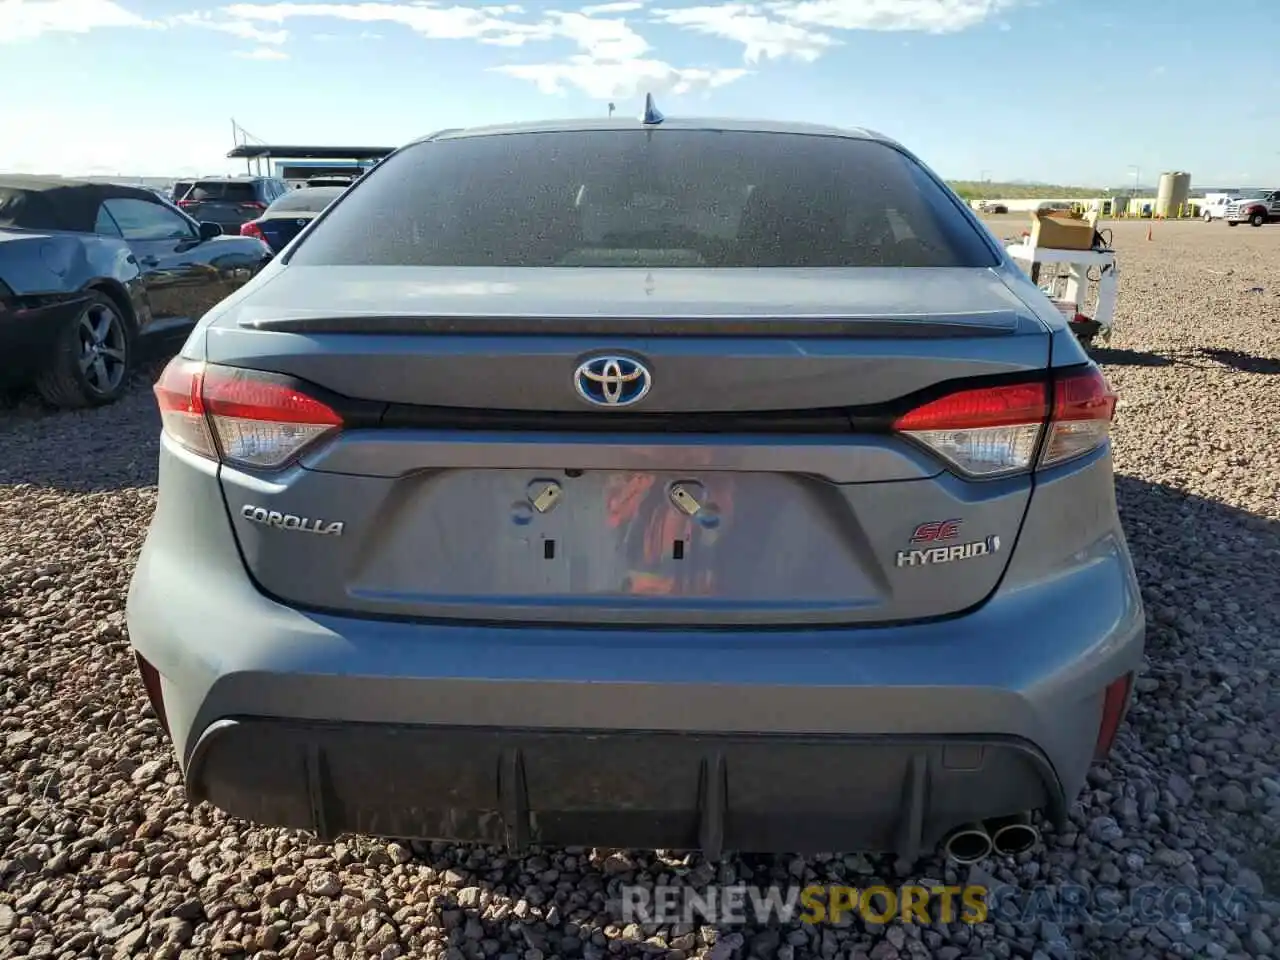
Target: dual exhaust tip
(1004, 836)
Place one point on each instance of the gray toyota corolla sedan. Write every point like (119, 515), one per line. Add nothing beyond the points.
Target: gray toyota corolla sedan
(669, 484)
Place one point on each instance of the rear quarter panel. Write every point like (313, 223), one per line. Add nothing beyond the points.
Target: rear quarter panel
(54, 264)
(36, 264)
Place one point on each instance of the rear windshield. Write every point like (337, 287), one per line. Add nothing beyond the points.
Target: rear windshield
(236, 192)
(305, 200)
(648, 198)
(20, 208)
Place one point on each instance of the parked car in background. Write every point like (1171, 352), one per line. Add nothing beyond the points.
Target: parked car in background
(288, 215)
(89, 272)
(1255, 211)
(331, 181)
(785, 520)
(1215, 206)
(231, 201)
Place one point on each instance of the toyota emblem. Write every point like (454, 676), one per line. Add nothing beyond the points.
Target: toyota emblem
(612, 381)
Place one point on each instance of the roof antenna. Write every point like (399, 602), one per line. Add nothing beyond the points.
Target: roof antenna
(652, 116)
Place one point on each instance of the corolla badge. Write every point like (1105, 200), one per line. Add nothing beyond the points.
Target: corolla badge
(612, 381)
(291, 521)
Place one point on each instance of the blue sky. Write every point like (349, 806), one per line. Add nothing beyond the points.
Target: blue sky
(1067, 91)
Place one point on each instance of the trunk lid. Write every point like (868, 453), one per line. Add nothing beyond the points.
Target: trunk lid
(754, 484)
(279, 230)
(716, 340)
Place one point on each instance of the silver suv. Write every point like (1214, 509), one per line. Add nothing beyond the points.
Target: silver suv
(682, 484)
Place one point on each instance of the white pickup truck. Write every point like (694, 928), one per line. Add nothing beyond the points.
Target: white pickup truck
(1255, 210)
(1215, 206)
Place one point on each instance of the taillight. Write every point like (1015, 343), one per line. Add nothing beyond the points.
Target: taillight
(178, 394)
(1115, 702)
(239, 416)
(995, 431)
(254, 205)
(984, 432)
(1083, 407)
(251, 229)
(187, 203)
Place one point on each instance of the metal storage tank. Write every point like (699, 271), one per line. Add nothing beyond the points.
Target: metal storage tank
(1173, 193)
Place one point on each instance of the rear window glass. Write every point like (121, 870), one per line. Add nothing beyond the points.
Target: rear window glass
(306, 200)
(660, 198)
(205, 191)
(234, 192)
(20, 208)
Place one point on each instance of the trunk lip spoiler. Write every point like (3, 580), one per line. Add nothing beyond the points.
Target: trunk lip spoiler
(992, 323)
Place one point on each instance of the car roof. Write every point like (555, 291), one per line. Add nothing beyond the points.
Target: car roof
(37, 184)
(65, 204)
(229, 179)
(726, 125)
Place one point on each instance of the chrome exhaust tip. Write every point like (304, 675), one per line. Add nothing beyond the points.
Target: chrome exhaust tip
(1012, 835)
(967, 844)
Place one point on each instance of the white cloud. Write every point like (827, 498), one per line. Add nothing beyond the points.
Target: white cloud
(926, 16)
(802, 29)
(28, 19)
(609, 56)
(620, 79)
(625, 6)
(613, 61)
(431, 20)
(261, 53)
(242, 29)
(762, 36)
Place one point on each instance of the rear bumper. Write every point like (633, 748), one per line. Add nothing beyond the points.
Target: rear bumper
(762, 740)
(28, 337)
(650, 790)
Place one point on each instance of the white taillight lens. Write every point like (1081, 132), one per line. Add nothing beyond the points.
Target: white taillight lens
(985, 432)
(240, 416)
(1083, 408)
(984, 451)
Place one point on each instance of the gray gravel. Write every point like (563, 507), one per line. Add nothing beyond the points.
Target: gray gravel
(100, 856)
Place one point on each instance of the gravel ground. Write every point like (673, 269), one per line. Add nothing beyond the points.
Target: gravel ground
(100, 856)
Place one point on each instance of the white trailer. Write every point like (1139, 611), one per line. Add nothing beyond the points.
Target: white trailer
(1084, 268)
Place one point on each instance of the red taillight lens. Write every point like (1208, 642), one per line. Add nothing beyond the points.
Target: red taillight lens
(1083, 408)
(994, 431)
(186, 203)
(251, 229)
(984, 432)
(1115, 703)
(239, 416)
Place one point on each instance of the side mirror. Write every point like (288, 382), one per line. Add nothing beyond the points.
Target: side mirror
(209, 230)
